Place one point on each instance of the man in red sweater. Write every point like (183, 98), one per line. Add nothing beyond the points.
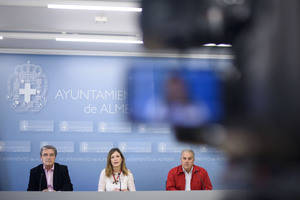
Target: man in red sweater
(188, 176)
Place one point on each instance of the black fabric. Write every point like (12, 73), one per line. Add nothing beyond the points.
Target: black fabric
(61, 179)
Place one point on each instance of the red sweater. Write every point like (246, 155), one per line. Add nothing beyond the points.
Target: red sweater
(199, 181)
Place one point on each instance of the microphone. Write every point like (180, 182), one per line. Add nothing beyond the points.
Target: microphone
(40, 185)
(119, 174)
(203, 185)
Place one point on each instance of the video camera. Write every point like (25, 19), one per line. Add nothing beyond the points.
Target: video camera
(258, 98)
(192, 100)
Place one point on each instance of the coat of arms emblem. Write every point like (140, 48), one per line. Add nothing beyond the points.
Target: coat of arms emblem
(27, 88)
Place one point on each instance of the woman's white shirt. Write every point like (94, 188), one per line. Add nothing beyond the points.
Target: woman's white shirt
(107, 183)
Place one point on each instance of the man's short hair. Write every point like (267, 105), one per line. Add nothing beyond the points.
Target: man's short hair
(48, 147)
(188, 150)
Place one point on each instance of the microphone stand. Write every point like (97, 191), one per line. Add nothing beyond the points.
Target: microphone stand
(120, 181)
(203, 185)
(40, 185)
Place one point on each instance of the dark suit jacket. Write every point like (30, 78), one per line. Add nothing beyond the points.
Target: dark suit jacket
(61, 179)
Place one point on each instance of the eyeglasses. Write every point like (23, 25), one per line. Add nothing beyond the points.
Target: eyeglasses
(50, 155)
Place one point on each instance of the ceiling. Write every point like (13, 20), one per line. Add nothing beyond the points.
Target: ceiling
(28, 26)
(31, 25)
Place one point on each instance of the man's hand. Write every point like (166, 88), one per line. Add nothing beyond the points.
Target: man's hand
(46, 190)
(118, 190)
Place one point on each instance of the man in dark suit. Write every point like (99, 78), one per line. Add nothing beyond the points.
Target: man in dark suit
(49, 176)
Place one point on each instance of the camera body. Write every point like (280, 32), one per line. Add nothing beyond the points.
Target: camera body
(265, 41)
(177, 24)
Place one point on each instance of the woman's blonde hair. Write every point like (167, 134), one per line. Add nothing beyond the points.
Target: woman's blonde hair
(109, 167)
